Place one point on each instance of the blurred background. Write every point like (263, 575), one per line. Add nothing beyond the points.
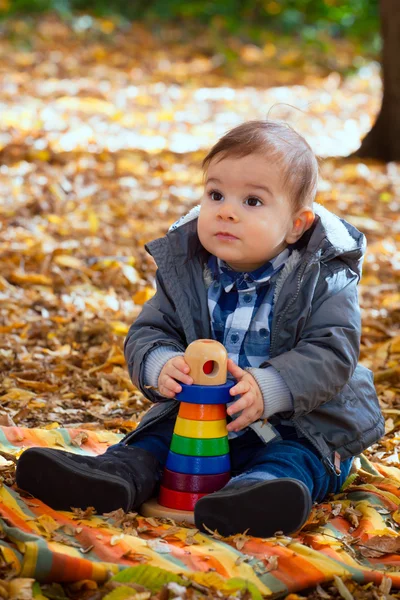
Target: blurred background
(106, 111)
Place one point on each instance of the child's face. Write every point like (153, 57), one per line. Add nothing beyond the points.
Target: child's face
(245, 216)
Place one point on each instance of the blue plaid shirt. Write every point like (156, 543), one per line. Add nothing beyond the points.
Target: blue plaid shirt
(241, 309)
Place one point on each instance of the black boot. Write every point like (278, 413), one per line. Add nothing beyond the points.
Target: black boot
(261, 507)
(122, 477)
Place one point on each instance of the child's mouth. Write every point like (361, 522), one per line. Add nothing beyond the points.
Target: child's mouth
(226, 237)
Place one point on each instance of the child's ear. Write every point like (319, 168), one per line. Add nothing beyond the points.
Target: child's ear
(301, 221)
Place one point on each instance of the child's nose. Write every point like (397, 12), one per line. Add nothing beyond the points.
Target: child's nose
(227, 212)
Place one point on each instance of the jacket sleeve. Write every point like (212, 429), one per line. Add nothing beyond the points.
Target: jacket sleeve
(326, 355)
(157, 325)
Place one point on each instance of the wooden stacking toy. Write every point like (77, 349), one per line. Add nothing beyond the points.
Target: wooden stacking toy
(198, 462)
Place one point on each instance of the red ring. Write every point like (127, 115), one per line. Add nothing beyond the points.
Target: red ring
(178, 500)
(195, 484)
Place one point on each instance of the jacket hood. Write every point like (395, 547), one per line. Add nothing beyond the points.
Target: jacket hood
(330, 237)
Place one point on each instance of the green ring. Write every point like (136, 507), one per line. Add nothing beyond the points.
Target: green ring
(199, 446)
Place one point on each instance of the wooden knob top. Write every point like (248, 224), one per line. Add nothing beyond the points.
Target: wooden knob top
(207, 360)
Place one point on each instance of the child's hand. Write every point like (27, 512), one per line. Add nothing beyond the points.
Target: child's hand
(251, 401)
(175, 369)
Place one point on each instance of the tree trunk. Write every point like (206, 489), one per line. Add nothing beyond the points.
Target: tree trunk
(383, 141)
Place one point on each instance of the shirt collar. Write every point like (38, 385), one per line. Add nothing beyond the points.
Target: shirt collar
(243, 280)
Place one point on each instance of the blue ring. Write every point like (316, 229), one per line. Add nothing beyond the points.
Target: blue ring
(198, 465)
(206, 394)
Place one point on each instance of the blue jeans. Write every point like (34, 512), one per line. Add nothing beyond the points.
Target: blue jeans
(251, 458)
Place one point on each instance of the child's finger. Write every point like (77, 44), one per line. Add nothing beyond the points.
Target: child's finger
(240, 388)
(244, 420)
(166, 392)
(244, 402)
(175, 373)
(235, 370)
(180, 363)
(169, 386)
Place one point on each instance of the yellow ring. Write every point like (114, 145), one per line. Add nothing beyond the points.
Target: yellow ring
(200, 429)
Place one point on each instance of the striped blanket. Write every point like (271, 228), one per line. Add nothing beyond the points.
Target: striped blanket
(354, 535)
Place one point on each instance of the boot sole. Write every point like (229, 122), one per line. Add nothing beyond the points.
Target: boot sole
(262, 509)
(62, 484)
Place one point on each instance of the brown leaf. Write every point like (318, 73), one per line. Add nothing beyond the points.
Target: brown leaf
(6, 421)
(352, 515)
(79, 439)
(189, 540)
(79, 513)
(38, 386)
(214, 534)
(171, 531)
(240, 539)
(272, 564)
(380, 544)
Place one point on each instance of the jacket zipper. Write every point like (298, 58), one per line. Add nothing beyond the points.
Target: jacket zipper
(325, 460)
(299, 277)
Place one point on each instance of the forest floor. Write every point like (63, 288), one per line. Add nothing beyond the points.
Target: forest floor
(102, 132)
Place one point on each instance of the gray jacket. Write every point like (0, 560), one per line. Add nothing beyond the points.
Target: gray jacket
(315, 332)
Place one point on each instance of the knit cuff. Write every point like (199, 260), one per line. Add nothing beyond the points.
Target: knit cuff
(276, 394)
(154, 363)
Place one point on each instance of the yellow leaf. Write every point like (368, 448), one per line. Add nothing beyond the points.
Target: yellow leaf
(34, 278)
(65, 260)
(370, 280)
(55, 219)
(106, 25)
(144, 295)
(119, 327)
(99, 53)
(93, 222)
(37, 404)
(395, 345)
(385, 197)
(391, 300)
(116, 360)
(396, 516)
(165, 115)
(269, 50)
(39, 386)
(43, 155)
(209, 579)
(15, 325)
(48, 523)
(17, 394)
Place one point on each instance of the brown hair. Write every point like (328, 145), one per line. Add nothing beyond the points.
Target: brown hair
(283, 145)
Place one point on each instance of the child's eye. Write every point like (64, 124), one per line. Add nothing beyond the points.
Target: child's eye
(215, 195)
(252, 201)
